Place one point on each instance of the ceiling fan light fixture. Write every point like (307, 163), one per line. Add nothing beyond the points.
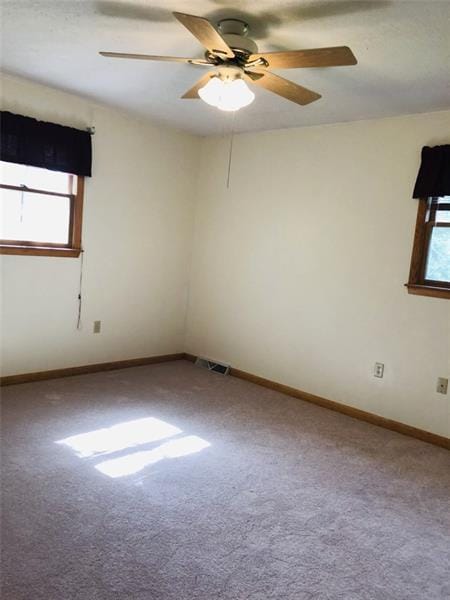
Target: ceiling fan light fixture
(226, 94)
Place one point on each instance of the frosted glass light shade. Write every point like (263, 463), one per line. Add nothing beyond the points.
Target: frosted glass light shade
(226, 94)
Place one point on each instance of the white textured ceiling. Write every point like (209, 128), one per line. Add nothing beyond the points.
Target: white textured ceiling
(402, 47)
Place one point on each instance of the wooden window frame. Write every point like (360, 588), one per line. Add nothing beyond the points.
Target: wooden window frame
(70, 250)
(425, 222)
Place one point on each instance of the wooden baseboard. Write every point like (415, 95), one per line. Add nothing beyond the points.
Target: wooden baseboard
(350, 411)
(356, 413)
(82, 370)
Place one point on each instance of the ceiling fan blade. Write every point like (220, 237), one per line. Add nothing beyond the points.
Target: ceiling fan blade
(206, 34)
(317, 57)
(191, 61)
(283, 87)
(192, 94)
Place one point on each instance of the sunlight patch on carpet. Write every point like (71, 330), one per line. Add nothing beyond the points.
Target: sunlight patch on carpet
(118, 437)
(127, 436)
(135, 462)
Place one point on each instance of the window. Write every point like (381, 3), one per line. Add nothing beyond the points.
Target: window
(430, 262)
(41, 211)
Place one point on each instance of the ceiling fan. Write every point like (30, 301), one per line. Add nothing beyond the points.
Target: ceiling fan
(235, 61)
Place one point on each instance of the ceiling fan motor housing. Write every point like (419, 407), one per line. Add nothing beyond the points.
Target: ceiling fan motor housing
(234, 32)
(240, 43)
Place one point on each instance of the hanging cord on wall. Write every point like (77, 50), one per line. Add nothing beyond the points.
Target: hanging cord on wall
(21, 205)
(231, 149)
(80, 288)
(90, 130)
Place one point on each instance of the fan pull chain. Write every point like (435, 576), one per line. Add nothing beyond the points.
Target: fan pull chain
(231, 150)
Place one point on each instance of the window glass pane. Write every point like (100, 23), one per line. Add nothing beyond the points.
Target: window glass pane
(438, 263)
(443, 216)
(34, 217)
(32, 177)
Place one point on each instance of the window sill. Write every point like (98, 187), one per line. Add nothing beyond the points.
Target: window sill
(40, 251)
(428, 290)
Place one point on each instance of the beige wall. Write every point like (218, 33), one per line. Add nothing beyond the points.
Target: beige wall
(136, 235)
(298, 268)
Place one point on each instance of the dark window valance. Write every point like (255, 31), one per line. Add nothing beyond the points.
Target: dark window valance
(434, 173)
(39, 144)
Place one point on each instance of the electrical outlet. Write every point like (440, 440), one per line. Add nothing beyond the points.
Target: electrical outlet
(378, 370)
(442, 385)
(97, 326)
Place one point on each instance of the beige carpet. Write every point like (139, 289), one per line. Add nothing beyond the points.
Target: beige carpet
(169, 482)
